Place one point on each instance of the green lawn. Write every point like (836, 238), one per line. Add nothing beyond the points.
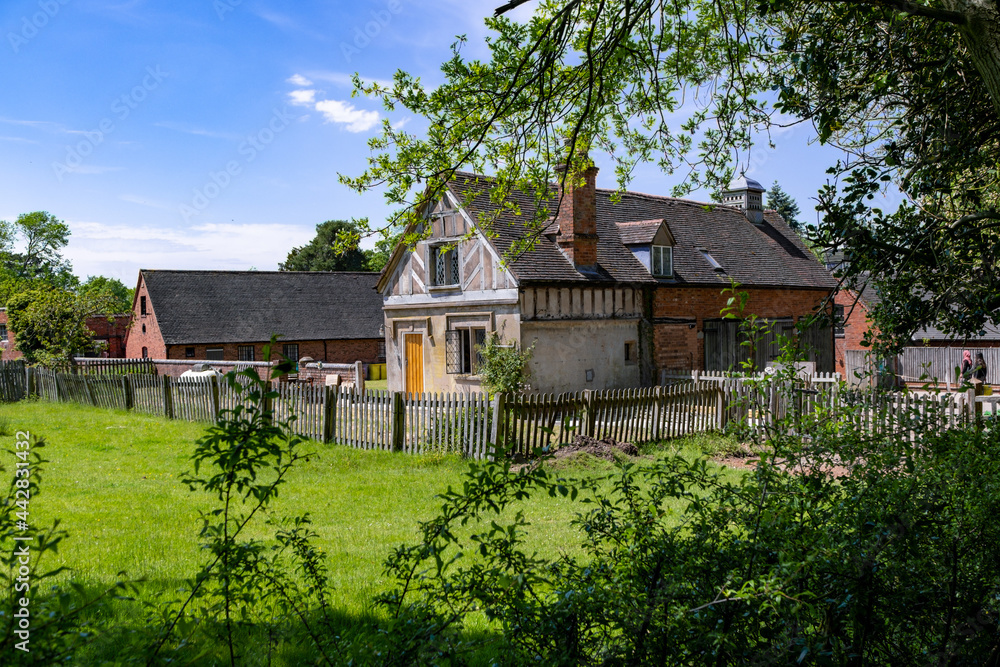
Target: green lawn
(113, 480)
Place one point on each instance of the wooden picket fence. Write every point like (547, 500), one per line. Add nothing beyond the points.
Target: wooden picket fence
(98, 366)
(531, 421)
(472, 424)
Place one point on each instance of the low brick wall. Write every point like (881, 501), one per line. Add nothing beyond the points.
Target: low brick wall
(176, 367)
(317, 372)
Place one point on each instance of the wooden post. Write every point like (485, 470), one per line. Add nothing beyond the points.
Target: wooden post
(129, 394)
(329, 412)
(168, 403)
(359, 376)
(657, 413)
(29, 382)
(720, 406)
(89, 389)
(398, 422)
(499, 428)
(590, 416)
(215, 397)
(267, 402)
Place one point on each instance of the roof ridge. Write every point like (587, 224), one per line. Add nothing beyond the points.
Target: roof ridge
(284, 273)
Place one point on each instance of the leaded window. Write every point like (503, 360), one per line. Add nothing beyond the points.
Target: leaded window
(445, 263)
(462, 350)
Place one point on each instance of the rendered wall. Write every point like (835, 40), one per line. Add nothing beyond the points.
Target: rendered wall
(564, 352)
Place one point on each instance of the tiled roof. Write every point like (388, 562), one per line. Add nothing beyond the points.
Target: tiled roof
(769, 254)
(639, 231)
(546, 262)
(248, 306)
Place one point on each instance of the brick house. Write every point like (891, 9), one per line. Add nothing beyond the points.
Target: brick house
(333, 317)
(611, 294)
(108, 330)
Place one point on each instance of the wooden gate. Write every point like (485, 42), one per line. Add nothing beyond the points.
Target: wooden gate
(414, 363)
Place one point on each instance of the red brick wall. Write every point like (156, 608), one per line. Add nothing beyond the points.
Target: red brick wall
(112, 331)
(151, 338)
(577, 219)
(9, 353)
(855, 326)
(675, 346)
(331, 351)
(672, 345)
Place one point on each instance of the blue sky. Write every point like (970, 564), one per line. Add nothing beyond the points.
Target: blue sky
(209, 133)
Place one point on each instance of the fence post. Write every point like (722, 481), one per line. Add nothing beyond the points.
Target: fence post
(129, 395)
(359, 376)
(29, 382)
(267, 402)
(720, 406)
(398, 421)
(89, 389)
(657, 412)
(589, 414)
(215, 397)
(168, 403)
(499, 428)
(329, 412)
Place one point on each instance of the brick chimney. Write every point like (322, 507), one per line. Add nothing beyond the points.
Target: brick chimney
(577, 217)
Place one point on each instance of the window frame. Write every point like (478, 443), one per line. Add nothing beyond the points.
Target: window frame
(285, 347)
(241, 351)
(839, 320)
(189, 353)
(454, 270)
(461, 356)
(631, 352)
(209, 351)
(660, 250)
(142, 306)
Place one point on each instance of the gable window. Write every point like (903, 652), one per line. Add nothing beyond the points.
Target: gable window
(246, 353)
(444, 261)
(662, 261)
(461, 350)
(145, 353)
(838, 320)
(142, 306)
(214, 354)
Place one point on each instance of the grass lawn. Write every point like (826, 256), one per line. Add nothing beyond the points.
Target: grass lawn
(114, 481)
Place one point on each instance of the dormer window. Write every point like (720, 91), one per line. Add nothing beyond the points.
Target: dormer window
(444, 263)
(662, 261)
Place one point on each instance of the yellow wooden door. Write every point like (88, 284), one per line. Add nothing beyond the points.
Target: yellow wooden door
(415, 363)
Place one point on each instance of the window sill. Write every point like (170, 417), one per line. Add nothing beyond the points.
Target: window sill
(444, 288)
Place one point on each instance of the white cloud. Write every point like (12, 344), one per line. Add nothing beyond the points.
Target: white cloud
(356, 120)
(305, 98)
(401, 123)
(344, 79)
(299, 80)
(121, 250)
(197, 131)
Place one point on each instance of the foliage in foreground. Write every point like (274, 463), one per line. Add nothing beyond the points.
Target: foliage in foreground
(838, 549)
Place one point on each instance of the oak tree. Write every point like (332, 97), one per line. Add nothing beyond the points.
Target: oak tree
(909, 90)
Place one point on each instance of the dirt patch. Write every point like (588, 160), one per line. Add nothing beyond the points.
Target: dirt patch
(606, 448)
(748, 461)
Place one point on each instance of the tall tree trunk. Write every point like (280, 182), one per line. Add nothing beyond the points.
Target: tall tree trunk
(982, 37)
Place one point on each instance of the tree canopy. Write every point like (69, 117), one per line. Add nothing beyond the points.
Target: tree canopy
(106, 295)
(319, 254)
(786, 207)
(909, 91)
(49, 325)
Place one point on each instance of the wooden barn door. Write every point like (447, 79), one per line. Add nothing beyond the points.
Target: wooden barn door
(414, 363)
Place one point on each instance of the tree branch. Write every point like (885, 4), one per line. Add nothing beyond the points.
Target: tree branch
(513, 4)
(946, 15)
